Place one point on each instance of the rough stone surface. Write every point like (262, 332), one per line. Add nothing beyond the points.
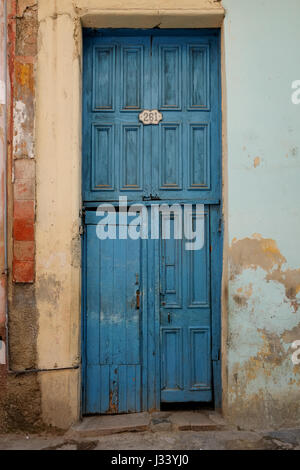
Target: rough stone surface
(156, 422)
(193, 421)
(103, 425)
(230, 439)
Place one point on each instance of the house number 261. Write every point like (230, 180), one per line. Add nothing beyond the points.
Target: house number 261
(150, 116)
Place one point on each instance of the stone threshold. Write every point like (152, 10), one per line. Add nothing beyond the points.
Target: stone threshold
(157, 421)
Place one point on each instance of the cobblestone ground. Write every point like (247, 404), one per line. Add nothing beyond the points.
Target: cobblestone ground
(288, 439)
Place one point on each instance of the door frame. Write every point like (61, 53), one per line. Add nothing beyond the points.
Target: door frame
(216, 259)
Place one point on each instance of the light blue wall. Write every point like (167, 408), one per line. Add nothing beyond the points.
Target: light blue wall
(262, 59)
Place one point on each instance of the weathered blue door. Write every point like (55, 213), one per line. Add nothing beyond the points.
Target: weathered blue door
(151, 308)
(185, 316)
(113, 335)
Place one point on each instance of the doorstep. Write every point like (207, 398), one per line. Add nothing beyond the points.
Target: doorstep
(156, 421)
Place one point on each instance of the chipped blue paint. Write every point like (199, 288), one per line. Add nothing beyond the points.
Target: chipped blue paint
(167, 349)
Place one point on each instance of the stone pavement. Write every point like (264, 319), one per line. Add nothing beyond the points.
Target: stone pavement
(197, 430)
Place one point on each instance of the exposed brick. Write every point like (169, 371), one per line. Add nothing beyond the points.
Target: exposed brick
(23, 4)
(12, 8)
(23, 230)
(24, 210)
(24, 169)
(24, 251)
(23, 271)
(27, 27)
(24, 189)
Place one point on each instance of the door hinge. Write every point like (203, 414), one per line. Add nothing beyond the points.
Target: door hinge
(81, 230)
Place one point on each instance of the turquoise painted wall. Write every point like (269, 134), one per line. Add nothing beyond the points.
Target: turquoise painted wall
(262, 59)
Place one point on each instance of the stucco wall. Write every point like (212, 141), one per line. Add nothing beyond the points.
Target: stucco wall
(58, 192)
(261, 149)
(262, 56)
(261, 145)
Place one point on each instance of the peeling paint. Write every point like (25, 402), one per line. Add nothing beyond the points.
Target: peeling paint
(289, 336)
(290, 278)
(49, 291)
(22, 141)
(264, 321)
(254, 252)
(2, 353)
(256, 162)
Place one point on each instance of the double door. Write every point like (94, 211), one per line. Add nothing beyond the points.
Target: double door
(151, 306)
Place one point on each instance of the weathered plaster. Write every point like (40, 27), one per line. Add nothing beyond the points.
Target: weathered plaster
(261, 62)
(261, 155)
(138, 14)
(59, 176)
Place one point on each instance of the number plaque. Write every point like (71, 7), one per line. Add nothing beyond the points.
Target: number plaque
(150, 116)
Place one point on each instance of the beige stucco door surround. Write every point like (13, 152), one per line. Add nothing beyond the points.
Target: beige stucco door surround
(58, 192)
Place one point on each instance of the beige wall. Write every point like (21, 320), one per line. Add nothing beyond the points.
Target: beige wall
(58, 193)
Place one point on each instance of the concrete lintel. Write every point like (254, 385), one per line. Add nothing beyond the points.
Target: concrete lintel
(152, 18)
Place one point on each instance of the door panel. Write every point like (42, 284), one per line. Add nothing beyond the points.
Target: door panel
(187, 95)
(179, 159)
(185, 313)
(113, 324)
(116, 146)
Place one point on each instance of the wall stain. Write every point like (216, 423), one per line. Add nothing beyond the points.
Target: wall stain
(254, 252)
(49, 290)
(289, 336)
(263, 386)
(290, 279)
(243, 295)
(256, 162)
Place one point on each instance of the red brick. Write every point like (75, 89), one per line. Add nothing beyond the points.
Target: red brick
(23, 251)
(24, 210)
(23, 230)
(23, 271)
(12, 8)
(23, 4)
(24, 169)
(24, 189)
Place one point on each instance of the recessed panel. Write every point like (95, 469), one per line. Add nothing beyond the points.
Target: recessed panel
(171, 350)
(103, 157)
(198, 275)
(170, 165)
(199, 157)
(132, 158)
(172, 269)
(104, 78)
(170, 77)
(199, 358)
(198, 73)
(132, 69)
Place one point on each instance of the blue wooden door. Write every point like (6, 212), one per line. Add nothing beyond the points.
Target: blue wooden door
(185, 317)
(114, 315)
(151, 329)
